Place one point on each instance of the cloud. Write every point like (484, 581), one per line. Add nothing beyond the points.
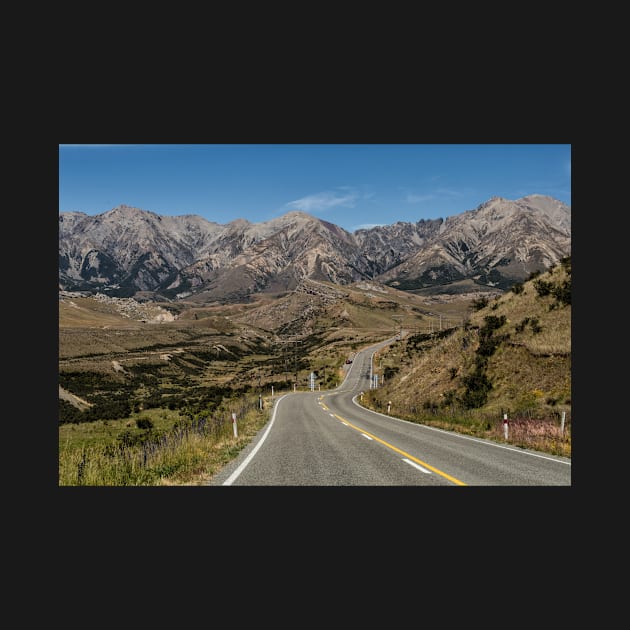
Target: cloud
(325, 200)
(365, 226)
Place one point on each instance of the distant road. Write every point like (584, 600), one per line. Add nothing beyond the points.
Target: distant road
(328, 439)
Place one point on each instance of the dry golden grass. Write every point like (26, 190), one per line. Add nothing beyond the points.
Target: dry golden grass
(190, 459)
(530, 371)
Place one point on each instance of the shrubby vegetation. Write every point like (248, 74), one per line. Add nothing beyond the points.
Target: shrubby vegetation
(512, 355)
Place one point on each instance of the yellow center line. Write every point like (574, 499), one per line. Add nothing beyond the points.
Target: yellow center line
(415, 459)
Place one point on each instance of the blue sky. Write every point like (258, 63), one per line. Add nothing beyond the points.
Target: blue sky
(351, 185)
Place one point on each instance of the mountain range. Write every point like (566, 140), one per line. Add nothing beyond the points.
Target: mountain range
(128, 252)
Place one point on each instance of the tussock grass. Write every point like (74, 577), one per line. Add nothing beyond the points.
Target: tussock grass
(516, 350)
(187, 454)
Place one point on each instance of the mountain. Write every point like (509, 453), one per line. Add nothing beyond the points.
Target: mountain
(128, 251)
(129, 248)
(497, 244)
(298, 246)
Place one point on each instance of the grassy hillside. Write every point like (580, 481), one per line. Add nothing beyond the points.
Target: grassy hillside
(512, 356)
(146, 390)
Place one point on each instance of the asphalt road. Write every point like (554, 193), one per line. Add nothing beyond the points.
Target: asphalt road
(328, 439)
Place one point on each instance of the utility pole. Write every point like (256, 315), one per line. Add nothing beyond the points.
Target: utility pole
(295, 342)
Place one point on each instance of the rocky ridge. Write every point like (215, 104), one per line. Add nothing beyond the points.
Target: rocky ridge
(127, 251)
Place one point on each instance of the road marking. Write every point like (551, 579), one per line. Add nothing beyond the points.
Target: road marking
(411, 457)
(460, 436)
(239, 470)
(366, 436)
(424, 470)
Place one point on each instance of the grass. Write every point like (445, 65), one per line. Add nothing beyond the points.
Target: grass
(529, 372)
(180, 453)
(540, 434)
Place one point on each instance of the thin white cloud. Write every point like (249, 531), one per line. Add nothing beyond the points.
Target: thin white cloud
(366, 226)
(325, 200)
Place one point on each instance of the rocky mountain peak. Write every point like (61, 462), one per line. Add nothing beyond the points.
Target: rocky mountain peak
(128, 249)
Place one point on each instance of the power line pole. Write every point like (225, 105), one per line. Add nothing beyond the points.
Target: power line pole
(294, 342)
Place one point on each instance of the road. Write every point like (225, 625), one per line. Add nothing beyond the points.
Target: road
(329, 439)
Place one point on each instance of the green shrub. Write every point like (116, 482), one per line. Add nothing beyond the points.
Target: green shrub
(562, 292)
(477, 387)
(480, 303)
(543, 288)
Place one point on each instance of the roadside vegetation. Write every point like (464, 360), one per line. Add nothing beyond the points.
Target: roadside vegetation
(511, 360)
(158, 447)
(152, 404)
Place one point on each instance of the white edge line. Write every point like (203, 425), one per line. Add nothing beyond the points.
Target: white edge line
(424, 470)
(463, 437)
(239, 470)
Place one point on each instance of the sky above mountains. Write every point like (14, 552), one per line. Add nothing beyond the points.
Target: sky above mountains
(351, 185)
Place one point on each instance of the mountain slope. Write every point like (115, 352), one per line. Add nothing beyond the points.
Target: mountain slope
(126, 246)
(498, 243)
(512, 356)
(127, 250)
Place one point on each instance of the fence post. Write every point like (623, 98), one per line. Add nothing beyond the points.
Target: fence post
(505, 426)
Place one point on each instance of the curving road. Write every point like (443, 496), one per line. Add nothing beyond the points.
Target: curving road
(329, 439)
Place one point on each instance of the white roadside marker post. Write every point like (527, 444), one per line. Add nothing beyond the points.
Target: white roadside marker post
(234, 427)
(505, 426)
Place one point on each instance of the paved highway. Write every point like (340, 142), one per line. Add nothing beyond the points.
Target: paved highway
(328, 439)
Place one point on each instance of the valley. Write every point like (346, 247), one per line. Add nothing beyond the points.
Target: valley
(172, 325)
(274, 340)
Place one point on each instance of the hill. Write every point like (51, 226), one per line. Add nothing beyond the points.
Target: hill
(176, 354)
(512, 356)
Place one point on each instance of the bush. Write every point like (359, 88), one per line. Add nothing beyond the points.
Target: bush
(562, 292)
(480, 303)
(543, 287)
(477, 387)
